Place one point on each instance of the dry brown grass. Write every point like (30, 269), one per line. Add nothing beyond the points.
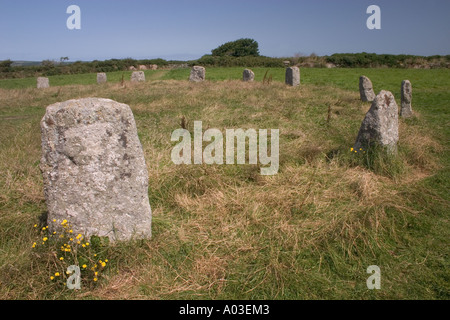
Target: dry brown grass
(222, 227)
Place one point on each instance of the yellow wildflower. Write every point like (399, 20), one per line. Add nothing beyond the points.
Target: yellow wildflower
(84, 266)
(57, 274)
(62, 258)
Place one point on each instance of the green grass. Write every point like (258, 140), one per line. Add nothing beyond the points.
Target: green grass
(226, 232)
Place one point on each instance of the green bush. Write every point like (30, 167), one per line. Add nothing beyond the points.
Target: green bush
(239, 48)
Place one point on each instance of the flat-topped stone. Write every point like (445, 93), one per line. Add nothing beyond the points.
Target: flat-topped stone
(94, 170)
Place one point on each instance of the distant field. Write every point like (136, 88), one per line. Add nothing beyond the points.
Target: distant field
(226, 232)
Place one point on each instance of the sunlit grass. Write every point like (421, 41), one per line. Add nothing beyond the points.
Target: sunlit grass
(225, 231)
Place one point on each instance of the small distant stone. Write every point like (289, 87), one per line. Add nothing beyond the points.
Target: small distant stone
(198, 74)
(292, 76)
(366, 89)
(406, 97)
(101, 77)
(42, 83)
(380, 125)
(248, 75)
(138, 76)
(142, 67)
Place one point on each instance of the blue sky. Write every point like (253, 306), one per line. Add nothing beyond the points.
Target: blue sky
(188, 29)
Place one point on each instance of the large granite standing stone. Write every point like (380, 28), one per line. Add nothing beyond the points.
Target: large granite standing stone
(380, 125)
(198, 74)
(248, 75)
(137, 76)
(366, 89)
(42, 83)
(292, 76)
(406, 94)
(94, 170)
(101, 77)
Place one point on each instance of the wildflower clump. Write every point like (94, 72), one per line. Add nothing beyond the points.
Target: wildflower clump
(67, 248)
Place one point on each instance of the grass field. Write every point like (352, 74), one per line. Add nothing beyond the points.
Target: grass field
(225, 231)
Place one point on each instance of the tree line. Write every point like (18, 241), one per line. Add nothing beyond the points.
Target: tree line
(239, 53)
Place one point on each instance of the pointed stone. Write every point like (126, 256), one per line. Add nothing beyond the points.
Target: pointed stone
(380, 125)
(366, 89)
(406, 94)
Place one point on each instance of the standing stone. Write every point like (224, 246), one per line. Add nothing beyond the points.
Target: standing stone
(248, 75)
(142, 67)
(406, 109)
(101, 77)
(94, 170)
(366, 89)
(42, 83)
(292, 76)
(380, 125)
(197, 74)
(138, 76)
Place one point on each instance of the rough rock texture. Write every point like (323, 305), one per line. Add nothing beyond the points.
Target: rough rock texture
(142, 67)
(101, 77)
(366, 89)
(292, 76)
(138, 76)
(42, 83)
(197, 74)
(406, 94)
(248, 75)
(380, 124)
(94, 170)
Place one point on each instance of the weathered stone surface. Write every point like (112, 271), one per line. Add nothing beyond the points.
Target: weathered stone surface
(42, 83)
(380, 125)
(406, 94)
(292, 77)
(94, 170)
(101, 77)
(153, 67)
(248, 75)
(198, 74)
(142, 67)
(366, 89)
(138, 76)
